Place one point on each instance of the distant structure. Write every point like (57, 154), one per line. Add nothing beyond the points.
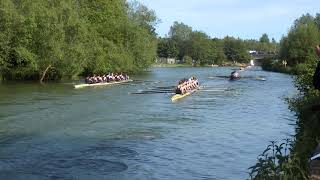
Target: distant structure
(261, 54)
(166, 60)
(251, 62)
(253, 52)
(258, 56)
(171, 60)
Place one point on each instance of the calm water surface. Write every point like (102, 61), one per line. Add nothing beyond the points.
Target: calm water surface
(55, 132)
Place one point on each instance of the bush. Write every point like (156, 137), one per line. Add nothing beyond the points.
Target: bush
(187, 60)
(276, 163)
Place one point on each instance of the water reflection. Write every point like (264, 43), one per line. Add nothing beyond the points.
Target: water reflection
(56, 132)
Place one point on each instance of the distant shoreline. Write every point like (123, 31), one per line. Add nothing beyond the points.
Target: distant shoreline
(188, 65)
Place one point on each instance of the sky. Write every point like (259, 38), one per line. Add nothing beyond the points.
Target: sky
(247, 19)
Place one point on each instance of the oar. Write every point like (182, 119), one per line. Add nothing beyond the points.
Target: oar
(215, 90)
(154, 92)
(154, 89)
(218, 77)
(157, 91)
(165, 87)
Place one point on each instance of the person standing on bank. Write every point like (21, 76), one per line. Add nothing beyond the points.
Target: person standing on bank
(316, 76)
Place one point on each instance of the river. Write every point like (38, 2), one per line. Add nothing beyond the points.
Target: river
(53, 131)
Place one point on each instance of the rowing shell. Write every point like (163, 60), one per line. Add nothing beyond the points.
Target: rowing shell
(179, 96)
(100, 84)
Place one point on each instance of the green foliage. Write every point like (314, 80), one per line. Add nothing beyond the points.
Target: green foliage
(167, 48)
(298, 46)
(262, 45)
(180, 33)
(264, 38)
(188, 60)
(142, 16)
(235, 50)
(269, 64)
(199, 47)
(74, 37)
(217, 55)
(206, 50)
(276, 163)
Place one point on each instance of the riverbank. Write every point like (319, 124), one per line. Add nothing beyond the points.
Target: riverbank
(225, 64)
(232, 64)
(275, 66)
(279, 69)
(170, 65)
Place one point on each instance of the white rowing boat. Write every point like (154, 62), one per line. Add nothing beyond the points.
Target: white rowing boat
(78, 86)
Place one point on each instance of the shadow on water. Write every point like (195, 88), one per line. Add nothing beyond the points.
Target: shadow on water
(51, 162)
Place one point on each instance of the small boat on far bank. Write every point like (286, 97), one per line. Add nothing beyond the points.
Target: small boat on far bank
(78, 86)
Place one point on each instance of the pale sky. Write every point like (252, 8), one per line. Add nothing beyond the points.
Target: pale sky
(247, 19)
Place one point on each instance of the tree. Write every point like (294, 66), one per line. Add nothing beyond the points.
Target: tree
(167, 48)
(298, 46)
(304, 20)
(217, 55)
(188, 60)
(141, 15)
(264, 38)
(180, 33)
(235, 50)
(199, 47)
(44, 39)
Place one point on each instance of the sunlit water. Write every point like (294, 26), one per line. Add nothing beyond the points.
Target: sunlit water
(56, 132)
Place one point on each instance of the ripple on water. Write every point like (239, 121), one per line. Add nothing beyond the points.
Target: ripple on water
(94, 161)
(222, 127)
(119, 152)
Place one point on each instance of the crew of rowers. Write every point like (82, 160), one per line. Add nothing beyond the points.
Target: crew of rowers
(106, 78)
(187, 85)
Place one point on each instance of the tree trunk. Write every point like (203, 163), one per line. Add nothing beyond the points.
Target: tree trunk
(44, 73)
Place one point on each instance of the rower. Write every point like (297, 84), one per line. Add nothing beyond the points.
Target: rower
(104, 78)
(178, 91)
(94, 79)
(87, 80)
(90, 80)
(234, 75)
(99, 79)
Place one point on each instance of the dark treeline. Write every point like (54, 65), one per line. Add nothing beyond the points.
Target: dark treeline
(197, 47)
(297, 48)
(56, 39)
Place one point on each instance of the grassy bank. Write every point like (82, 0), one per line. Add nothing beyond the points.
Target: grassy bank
(269, 64)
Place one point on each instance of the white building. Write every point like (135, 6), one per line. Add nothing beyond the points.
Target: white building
(171, 61)
(253, 52)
